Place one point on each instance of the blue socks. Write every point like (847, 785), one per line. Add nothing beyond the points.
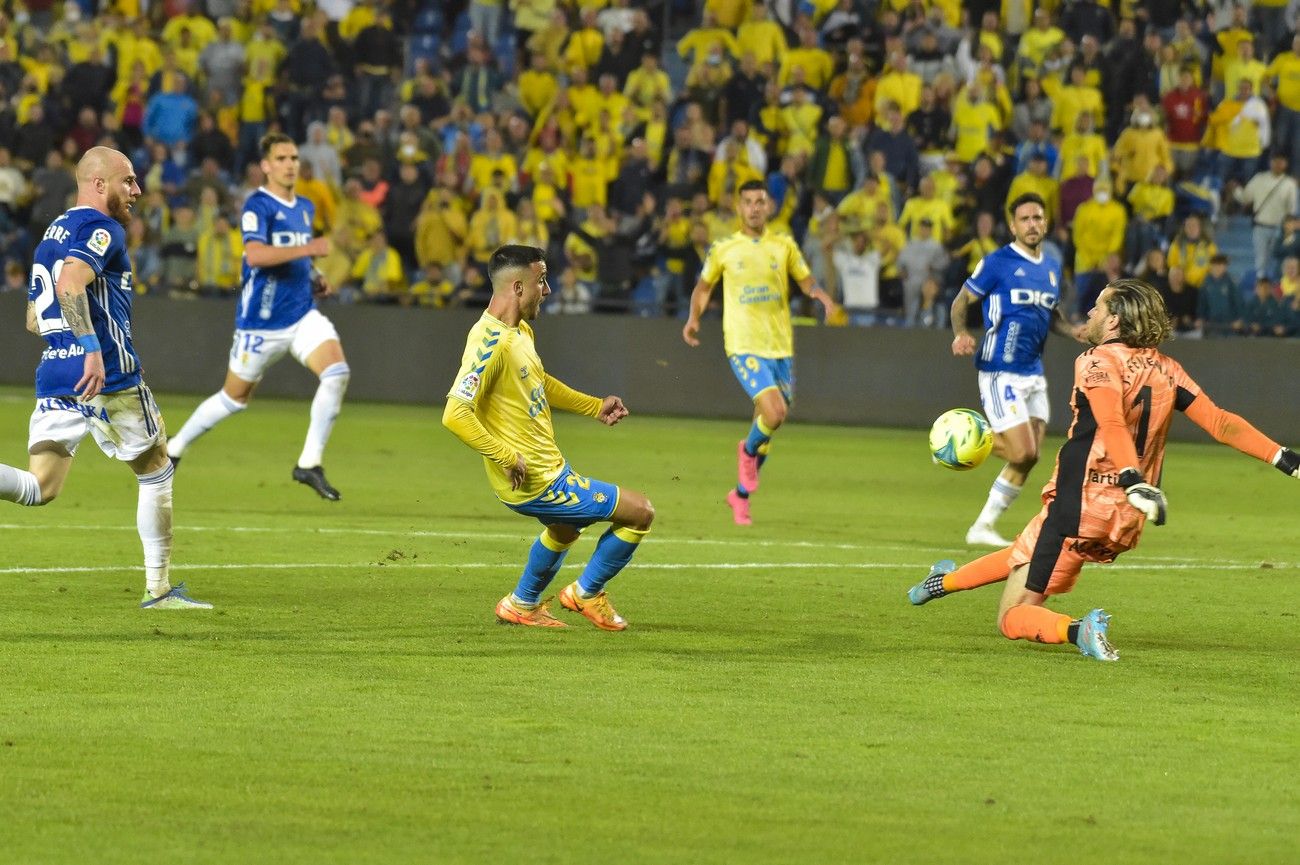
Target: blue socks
(544, 560)
(759, 435)
(613, 551)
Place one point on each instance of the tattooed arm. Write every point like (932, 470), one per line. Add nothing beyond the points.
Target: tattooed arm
(31, 318)
(71, 292)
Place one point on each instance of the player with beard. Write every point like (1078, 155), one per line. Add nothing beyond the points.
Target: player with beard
(1101, 494)
(88, 381)
(277, 315)
(1019, 289)
(755, 266)
(500, 405)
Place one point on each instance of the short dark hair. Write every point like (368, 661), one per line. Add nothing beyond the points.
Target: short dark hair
(513, 255)
(269, 140)
(751, 186)
(1023, 199)
(1218, 258)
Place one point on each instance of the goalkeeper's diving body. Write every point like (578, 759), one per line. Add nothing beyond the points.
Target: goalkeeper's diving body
(500, 405)
(1102, 491)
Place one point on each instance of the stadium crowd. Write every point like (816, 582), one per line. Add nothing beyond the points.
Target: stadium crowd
(613, 134)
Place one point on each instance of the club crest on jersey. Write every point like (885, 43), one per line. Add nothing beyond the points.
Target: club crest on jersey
(249, 221)
(468, 386)
(99, 241)
(523, 372)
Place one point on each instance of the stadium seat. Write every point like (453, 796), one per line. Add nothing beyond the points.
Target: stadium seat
(459, 42)
(427, 21)
(425, 46)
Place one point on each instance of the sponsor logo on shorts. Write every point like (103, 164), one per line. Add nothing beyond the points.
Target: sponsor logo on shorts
(59, 403)
(99, 241)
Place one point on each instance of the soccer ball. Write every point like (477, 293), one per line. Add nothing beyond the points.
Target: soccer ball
(960, 439)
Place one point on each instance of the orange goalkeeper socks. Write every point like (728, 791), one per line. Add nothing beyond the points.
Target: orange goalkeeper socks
(992, 568)
(1039, 624)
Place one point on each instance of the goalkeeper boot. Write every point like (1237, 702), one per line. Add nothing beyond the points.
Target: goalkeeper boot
(746, 468)
(175, 599)
(932, 586)
(1092, 636)
(315, 478)
(511, 612)
(984, 535)
(739, 508)
(598, 610)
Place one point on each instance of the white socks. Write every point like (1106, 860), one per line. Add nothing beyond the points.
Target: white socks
(325, 408)
(19, 486)
(1001, 495)
(153, 518)
(210, 412)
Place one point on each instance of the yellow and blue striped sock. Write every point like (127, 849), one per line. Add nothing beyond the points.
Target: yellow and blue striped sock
(613, 551)
(759, 435)
(544, 561)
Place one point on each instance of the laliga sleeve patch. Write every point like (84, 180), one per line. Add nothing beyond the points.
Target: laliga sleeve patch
(468, 386)
(99, 241)
(249, 221)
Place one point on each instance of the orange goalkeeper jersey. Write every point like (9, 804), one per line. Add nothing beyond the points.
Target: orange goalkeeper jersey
(1123, 401)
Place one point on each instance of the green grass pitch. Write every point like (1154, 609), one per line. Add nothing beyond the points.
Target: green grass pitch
(776, 699)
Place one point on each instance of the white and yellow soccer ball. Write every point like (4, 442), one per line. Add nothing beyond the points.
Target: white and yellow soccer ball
(960, 439)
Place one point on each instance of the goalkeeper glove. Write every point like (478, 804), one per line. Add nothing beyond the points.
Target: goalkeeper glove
(1288, 462)
(1141, 495)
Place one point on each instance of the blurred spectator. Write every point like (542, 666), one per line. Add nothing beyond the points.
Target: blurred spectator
(433, 288)
(574, 294)
(52, 186)
(1192, 250)
(322, 155)
(854, 277)
(1271, 197)
(14, 190)
(218, 270)
(377, 272)
(1285, 70)
(1219, 303)
(1099, 227)
(924, 206)
(374, 53)
(921, 258)
(1152, 204)
(1265, 314)
(171, 115)
(1239, 130)
(180, 252)
(1288, 242)
(401, 210)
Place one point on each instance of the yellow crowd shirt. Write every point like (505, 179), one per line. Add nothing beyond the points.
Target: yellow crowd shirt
(1286, 67)
(755, 275)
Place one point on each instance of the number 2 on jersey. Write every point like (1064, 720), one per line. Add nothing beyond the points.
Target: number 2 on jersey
(44, 281)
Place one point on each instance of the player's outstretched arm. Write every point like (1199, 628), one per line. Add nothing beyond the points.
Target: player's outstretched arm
(75, 305)
(261, 254)
(962, 341)
(560, 395)
(1237, 432)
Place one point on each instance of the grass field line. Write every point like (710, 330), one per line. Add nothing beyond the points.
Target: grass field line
(659, 540)
(642, 566)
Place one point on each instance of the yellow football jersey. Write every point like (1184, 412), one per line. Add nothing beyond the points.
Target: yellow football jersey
(502, 379)
(755, 275)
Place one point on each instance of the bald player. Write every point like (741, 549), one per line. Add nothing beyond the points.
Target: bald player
(88, 381)
(500, 405)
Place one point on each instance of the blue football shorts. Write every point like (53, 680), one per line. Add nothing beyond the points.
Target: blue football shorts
(757, 374)
(571, 500)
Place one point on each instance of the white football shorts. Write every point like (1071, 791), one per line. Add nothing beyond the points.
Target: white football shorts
(1011, 399)
(255, 351)
(125, 423)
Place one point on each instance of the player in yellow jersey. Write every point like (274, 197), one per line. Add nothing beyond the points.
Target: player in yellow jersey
(755, 266)
(1099, 498)
(500, 405)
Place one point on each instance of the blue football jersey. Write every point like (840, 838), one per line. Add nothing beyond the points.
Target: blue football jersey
(1017, 294)
(274, 298)
(97, 239)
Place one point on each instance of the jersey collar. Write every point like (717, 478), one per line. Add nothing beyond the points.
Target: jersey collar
(288, 202)
(1015, 247)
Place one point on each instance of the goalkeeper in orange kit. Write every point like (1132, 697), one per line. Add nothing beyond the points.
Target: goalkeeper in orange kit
(1099, 497)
